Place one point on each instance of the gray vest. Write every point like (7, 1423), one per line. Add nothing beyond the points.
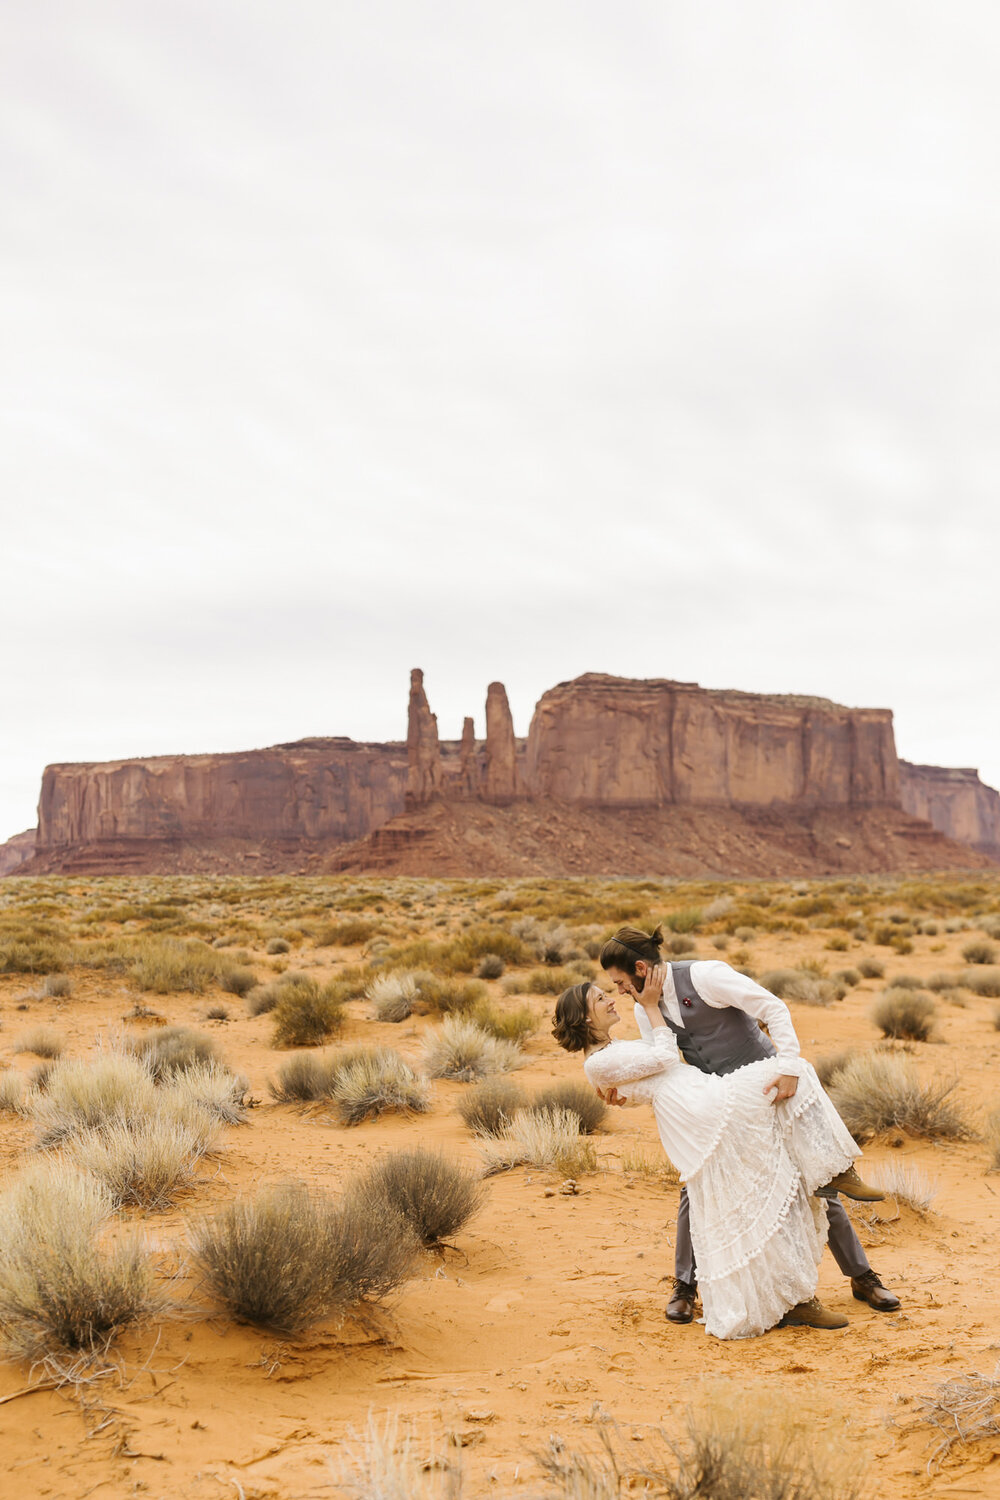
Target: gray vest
(716, 1041)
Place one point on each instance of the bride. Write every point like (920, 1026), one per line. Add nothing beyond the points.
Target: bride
(750, 1166)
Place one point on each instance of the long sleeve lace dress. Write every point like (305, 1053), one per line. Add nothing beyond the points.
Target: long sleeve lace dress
(750, 1167)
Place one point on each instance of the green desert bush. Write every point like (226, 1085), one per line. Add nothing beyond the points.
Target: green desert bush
(505, 1025)
(172, 1049)
(61, 1290)
(548, 1139)
(392, 996)
(374, 1081)
(490, 1105)
(42, 1042)
(287, 1258)
(575, 1097)
(237, 981)
(33, 956)
(687, 919)
(871, 968)
(435, 1196)
(459, 1049)
(984, 981)
(905, 1014)
(980, 953)
(879, 1091)
(306, 1015)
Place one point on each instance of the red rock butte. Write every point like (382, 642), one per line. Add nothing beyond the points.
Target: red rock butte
(616, 776)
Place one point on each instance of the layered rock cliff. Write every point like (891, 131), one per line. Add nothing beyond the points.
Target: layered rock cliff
(955, 801)
(17, 851)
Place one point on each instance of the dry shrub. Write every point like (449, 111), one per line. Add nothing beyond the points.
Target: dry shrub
(578, 1098)
(659, 1168)
(799, 985)
(216, 1013)
(387, 1466)
(450, 996)
(505, 1025)
(490, 966)
(980, 953)
(459, 1049)
(167, 965)
(42, 1042)
(879, 1091)
(82, 1096)
(906, 1183)
(57, 987)
(60, 1289)
(435, 1196)
(351, 932)
(982, 982)
(373, 1081)
(33, 956)
(904, 1014)
(238, 981)
(303, 1078)
(392, 996)
(172, 1049)
(263, 998)
(540, 1138)
(11, 1091)
(850, 977)
(277, 945)
(306, 1015)
(213, 1088)
(831, 1063)
(941, 981)
(680, 944)
(143, 1162)
(540, 982)
(286, 1258)
(963, 1411)
(871, 968)
(489, 1106)
(686, 919)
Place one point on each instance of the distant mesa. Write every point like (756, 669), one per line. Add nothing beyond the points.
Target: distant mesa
(615, 776)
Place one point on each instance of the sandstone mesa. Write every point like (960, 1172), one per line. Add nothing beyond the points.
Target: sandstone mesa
(616, 775)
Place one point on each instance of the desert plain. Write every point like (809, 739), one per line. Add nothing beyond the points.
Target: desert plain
(539, 1327)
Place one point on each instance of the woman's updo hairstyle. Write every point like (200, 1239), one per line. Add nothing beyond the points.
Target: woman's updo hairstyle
(628, 945)
(571, 1027)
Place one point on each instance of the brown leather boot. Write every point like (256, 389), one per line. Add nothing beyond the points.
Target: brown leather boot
(850, 1184)
(680, 1308)
(868, 1288)
(811, 1314)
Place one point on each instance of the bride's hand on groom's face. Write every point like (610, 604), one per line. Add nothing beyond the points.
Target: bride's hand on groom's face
(652, 989)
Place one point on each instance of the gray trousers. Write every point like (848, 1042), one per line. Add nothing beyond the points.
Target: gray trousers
(845, 1247)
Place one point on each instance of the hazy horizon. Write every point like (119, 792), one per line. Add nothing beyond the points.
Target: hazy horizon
(511, 343)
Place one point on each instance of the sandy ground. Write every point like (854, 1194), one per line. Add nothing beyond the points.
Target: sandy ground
(549, 1309)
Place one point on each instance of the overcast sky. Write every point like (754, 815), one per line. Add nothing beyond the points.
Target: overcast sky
(511, 340)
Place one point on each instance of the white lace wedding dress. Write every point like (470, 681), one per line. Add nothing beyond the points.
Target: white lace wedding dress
(750, 1167)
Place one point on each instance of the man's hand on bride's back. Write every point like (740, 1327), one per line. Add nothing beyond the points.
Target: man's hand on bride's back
(611, 1096)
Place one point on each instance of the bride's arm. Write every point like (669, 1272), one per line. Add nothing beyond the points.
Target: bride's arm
(627, 1062)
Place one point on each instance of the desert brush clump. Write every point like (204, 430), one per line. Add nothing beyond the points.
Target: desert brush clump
(980, 952)
(172, 1049)
(490, 966)
(237, 981)
(435, 1196)
(962, 1411)
(540, 982)
(277, 945)
(166, 965)
(144, 1161)
(56, 987)
(984, 981)
(34, 956)
(800, 985)
(392, 996)
(577, 1098)
(507, 1025)
(11, 1091)
(214, 1088)
(42, 1041)
(81, 1095)
(870, 968)
(286, 1257)
(61, 1289)
(906, 1183)
(879, 1091)
(306, 1014)
(349, 932)
(445, 997)
(489, 1106)
(941, 981)
(303, 1078)
(374, 1081)
(831, 1063)
(905, 1014)
(460, 1049)
(549, 1139)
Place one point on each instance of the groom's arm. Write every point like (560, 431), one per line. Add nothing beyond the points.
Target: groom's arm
(720, 985)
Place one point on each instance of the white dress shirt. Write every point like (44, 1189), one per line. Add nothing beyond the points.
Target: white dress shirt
(720, 985)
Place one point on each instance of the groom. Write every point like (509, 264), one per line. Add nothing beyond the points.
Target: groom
(713, 1010)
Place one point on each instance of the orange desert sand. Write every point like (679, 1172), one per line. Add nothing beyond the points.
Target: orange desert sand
(549, 1310)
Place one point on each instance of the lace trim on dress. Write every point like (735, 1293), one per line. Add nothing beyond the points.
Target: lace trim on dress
(790, 1202)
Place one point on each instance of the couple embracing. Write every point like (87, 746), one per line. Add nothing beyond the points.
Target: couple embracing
(760, 1149)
